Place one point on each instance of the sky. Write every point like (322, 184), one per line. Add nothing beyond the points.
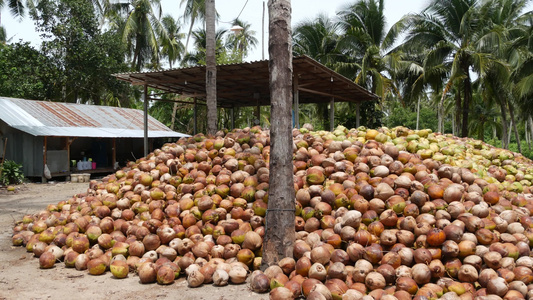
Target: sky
(228, 10)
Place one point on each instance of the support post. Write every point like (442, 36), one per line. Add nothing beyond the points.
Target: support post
(296, 95)
(114, 150)
(195, 125)
(332, 114)
(44, 158)
(145, 120)
(233, 118)
(357, 114)
(257, 114)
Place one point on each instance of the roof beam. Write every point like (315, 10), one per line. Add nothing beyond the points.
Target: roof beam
(323, 94)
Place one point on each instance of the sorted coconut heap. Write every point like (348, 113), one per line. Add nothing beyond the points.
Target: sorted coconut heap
(387, 214)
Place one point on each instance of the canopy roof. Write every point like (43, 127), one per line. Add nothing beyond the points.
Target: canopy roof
(247, 84)
(43, 118)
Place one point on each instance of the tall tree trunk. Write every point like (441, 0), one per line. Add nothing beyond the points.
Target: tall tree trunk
(418, 113)
(440, 114)
(466, 103)
(515, 129)
(457, 116)
(189, 34)
(526, 135)
(211, 68)
(279, 237)
(174, 109)
(505, 141)
(509, 133)
(530, 121)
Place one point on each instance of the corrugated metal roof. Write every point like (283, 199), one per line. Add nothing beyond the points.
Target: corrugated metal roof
(42, 118)
(247, 84)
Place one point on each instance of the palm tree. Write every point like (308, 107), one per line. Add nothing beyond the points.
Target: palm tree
(367, 46)
(211, 67)
(451, 30)
(141, 32)
(501, 37)
(279, 237)
(172, 48)
(17, 7)
(194, 11)
(197, 57)
(317, 38)
(242, 41)
(3, 35)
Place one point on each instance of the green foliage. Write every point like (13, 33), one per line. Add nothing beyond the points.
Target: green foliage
(370, 115)
(84, 57)
(26, 73)
(11, 173)
(401, 115)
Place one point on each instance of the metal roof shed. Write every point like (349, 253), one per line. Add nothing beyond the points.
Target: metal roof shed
(42, 133)
(247, 84)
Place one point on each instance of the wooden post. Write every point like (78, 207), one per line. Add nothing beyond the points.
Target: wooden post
(232, 118)
(257, 114)
(145, 120)
(279, 220)
(43, 179)
(357, 114)
(195, 125)
(114, 150)
(296, 95)
(332, 114)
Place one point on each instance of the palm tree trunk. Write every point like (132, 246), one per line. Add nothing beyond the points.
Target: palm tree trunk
(505, 141)
(453, 124)
(280, 234)
(466, 104)
(189, 35)
(457, 116)
(509, 133)
(211, 68)
(418, 113)
(494, 133)
(440, 125)
(174, 109)
(530, 121)
(517, 136)
(526, 134)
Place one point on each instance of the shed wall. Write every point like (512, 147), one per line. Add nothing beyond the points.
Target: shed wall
(24, 149)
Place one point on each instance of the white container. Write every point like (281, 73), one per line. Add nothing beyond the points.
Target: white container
(86, 176)
(74, 178)
(81, 178)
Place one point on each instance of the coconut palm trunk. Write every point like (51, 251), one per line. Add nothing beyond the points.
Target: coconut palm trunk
(279, 237)
(505, 143)
(211, 68)
(515, 129)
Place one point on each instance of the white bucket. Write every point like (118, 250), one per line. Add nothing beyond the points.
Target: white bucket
(86, 177)
(74, 178)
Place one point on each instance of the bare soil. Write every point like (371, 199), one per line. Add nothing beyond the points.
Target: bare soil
(21, 277)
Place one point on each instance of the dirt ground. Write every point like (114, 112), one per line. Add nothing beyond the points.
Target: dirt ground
(21, 277)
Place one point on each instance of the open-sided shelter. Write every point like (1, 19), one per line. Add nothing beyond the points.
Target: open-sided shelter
(59, 135)
(247, 84)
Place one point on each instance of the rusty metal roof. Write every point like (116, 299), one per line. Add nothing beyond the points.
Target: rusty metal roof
(43, 118)
(247, 84)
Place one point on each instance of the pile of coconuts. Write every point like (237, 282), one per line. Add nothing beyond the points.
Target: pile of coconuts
(380, 214)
